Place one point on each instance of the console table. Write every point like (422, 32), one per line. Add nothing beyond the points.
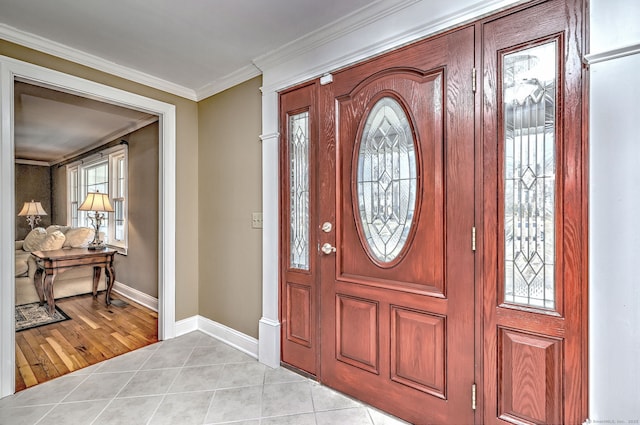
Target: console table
(50, 263)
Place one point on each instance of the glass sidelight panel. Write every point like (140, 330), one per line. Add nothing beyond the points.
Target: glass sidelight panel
(529, 100)
(386, 179)
(299, 190)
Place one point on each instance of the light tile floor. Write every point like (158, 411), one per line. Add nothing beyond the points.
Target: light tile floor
(192, 379)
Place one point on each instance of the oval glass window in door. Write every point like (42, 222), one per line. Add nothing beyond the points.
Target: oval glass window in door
(386, 180)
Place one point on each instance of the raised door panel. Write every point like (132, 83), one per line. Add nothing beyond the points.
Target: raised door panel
(531, 384)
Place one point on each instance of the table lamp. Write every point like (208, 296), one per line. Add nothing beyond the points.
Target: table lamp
(99, 203)
(32, 210)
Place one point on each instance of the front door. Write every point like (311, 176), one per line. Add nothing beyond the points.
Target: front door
(397, 270)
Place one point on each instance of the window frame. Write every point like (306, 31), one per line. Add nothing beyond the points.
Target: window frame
(77, 188)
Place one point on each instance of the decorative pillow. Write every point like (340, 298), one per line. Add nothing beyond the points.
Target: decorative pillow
(33, 239)
(51, 241)
(55, 227)
(78, 237)
(39, 240)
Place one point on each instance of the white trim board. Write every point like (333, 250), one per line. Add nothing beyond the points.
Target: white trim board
(60, 50)
(607, 55)
(231, 337)
(137, 296)
(10, 69)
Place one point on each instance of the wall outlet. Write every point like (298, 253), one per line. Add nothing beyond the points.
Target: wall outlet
(256, 220)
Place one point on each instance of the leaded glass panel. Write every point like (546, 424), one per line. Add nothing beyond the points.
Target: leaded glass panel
(529, 98)
(386, 179)
(299, 190)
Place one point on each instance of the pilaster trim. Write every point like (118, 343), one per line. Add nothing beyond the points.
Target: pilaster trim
(270, 136)
(611, 54)
(269, 348)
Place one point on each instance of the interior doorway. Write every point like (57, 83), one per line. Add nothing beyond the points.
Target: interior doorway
(14, 69)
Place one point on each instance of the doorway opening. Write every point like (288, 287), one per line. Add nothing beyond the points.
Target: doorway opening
(13, 70)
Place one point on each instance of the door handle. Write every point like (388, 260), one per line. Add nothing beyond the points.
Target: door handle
(327, 248)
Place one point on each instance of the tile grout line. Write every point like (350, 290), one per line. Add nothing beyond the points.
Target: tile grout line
(174, 379)
(122, 388)
(166, 392)
(54, 405)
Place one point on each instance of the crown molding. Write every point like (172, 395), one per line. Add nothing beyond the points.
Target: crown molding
(32, 162)
(44, 45)
(233, 79)
(607, 55)
(333, 31)
(423, 29)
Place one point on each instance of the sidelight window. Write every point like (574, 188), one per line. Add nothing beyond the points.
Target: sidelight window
(529, 99)
(299, 190)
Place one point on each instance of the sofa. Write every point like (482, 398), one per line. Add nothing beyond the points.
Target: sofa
(76, 281)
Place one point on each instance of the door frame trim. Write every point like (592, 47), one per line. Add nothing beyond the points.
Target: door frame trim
(10, 69)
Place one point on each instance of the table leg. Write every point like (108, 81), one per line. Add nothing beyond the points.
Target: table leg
(37, 282)
(96, 279)
(48, 290)
(110, 271)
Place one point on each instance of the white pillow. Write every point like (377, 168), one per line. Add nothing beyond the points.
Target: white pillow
(55, 227)
(39, 240)
(51, 241)
(78, 237)
(33, 239)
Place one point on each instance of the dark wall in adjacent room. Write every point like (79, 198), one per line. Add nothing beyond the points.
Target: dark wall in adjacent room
(33, 182)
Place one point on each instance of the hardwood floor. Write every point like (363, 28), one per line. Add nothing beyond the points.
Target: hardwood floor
(94, 333)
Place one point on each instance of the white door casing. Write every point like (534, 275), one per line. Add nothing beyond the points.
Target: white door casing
(12, 69)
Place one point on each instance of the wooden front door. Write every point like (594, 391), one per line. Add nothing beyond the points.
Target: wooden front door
(387, 170)
(397, 294)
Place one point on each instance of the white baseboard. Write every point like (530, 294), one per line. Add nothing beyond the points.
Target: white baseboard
(232, 337)
(187, 325)
(135, 295)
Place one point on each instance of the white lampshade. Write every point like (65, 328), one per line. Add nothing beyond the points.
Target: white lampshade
(32, 208)
(96, 201)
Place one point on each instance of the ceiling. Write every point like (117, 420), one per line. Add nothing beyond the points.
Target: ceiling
(187, 47)
(51, 126)
(191, 48)
(189, 43)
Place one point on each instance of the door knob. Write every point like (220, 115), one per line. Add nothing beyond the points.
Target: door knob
(326, 227)
(327, 248)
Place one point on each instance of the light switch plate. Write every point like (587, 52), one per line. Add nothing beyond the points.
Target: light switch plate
(256, 220)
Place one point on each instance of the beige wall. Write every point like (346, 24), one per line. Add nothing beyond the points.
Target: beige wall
(139, 268)
(186, 166)
(230, 251)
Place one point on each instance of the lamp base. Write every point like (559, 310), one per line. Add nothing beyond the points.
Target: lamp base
(97, 247)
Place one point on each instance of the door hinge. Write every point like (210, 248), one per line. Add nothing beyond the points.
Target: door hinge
(473, 80)
(473, 238)
(473, 396)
